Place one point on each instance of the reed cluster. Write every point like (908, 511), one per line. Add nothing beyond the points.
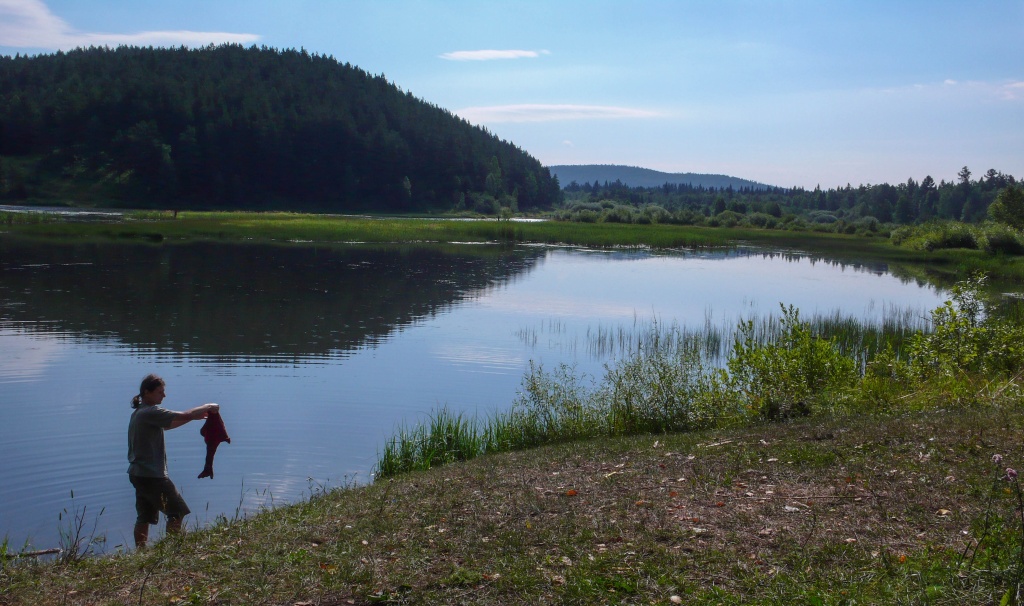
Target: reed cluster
(768, 369)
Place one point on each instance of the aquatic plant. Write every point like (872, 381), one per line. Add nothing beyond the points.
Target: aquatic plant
(670, 380)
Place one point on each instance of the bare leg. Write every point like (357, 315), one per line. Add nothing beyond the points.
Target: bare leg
(141, 535)
(173, 526)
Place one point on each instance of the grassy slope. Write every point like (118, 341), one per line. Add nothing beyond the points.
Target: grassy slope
(853, 510)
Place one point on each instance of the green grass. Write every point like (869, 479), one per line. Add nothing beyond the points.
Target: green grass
(667, 379)
(288, 227)
(940, 266)
(835, 510)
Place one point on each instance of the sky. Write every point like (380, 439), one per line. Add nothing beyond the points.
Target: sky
(786, 92)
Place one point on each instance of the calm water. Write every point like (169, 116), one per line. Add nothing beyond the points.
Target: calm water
(315, 354)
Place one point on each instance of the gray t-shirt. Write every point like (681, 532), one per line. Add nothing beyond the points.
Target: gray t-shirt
(147, 456)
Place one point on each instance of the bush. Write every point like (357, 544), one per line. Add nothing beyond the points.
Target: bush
(1002, 239)
(820, 216)
(967, 340)
(658, 391)
(620, 213)
(762, 220)
(656, 214)
(786, 378)
(866, 223)
(938, 235)
(727, 218)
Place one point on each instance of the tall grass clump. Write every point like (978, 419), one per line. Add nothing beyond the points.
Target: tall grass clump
(660, 389)
(551, 407)
(446, 438)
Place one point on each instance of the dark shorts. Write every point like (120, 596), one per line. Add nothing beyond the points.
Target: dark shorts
(155, 495)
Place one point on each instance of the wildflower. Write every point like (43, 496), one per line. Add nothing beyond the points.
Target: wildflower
(997, 459)
(1011, 474)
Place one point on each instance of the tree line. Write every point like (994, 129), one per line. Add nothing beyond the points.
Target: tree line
(848, 209)
(241, 128)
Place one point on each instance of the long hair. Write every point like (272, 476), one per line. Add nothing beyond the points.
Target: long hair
(149, 383)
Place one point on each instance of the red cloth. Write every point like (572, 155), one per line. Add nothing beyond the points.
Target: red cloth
(213, 432)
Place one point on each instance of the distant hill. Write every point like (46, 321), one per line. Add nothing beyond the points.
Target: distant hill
(634, 176)
(244, 128)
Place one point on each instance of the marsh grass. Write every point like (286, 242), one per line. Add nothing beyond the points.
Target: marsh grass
(939, 266)
(294, 227)
(10, 218)
(663, 378)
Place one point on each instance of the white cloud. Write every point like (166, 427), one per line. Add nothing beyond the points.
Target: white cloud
(549, 113)
(491, 55)
(1013, 91)
(30, 24)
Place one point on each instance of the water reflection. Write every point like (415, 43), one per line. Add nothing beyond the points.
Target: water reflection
(316, 353)
(259, 303)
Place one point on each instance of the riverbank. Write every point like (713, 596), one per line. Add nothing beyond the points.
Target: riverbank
(890, 509)
(941, 266)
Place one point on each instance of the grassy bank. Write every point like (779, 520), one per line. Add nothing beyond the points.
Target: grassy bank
(941, 265)
(288, 227)
(907, 509)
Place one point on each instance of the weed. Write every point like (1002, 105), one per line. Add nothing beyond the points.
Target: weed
(75, 537)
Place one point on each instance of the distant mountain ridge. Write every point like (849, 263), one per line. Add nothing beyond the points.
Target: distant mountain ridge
(635, 176)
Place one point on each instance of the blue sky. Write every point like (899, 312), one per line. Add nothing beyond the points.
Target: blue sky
(782, 92)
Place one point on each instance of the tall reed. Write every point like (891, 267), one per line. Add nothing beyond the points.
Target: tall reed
(663, 378)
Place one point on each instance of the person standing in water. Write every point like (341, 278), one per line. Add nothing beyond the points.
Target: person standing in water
(147, 458)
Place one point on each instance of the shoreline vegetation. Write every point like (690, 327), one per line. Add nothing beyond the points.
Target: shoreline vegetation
(939, 252)
(810, 462)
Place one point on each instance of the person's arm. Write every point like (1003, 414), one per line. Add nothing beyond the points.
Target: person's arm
(194, 414)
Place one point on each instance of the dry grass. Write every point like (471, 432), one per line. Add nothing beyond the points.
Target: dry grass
(875, 511)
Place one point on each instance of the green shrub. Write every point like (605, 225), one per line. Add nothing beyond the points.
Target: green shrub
(938, 235)
(762, 220)
(728, 218)
(967, 340)
(657, 390)
(1002, 239)
(788, 377)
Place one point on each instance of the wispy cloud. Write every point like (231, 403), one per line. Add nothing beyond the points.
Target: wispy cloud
(1007, 90)
(550, 113)
(1013, 91)
(491, 55)
(30, 24)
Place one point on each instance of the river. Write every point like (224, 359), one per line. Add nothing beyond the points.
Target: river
(316, 354)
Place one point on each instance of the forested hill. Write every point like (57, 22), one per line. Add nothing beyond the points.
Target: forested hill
(632, 176)
(234, 127)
